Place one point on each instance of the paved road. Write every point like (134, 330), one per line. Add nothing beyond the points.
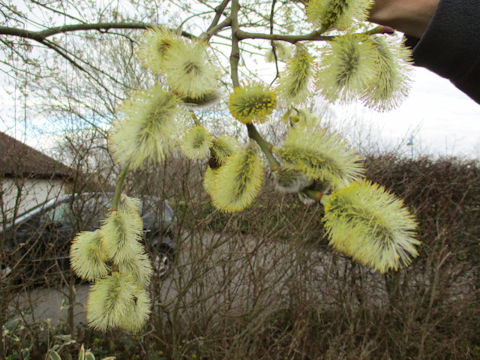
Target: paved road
(231, 274)
(225, 272)
(48, 303)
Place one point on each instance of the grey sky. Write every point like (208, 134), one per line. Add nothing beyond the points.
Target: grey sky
(442, 119)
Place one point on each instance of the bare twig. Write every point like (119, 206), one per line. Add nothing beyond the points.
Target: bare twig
(316, 35)
(235, 54)
(219, 11)
(274, 48)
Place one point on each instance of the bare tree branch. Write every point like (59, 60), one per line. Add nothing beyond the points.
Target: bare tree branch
(316, 35)
(59, 51)
(42, 35)
(235, 54)
(219, 10)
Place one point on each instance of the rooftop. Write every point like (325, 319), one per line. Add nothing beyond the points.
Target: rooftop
(20, 160)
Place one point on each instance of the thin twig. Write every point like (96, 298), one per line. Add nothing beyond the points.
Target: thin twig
(219, 10)
(272, 42)
(57, 11)
(225, 23)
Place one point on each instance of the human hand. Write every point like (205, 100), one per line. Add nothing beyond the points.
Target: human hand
(408, 16)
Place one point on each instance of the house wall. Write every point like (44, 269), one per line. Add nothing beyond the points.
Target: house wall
(32, 192)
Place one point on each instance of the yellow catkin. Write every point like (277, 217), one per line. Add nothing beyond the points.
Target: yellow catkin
(189, 71)
(139, 311)
(146, 128)
(120, 234)
(137, 264)
(391, 83)
(337, 14)
(209, 180)
(88, 258)
(223, 147)
(238, 181)
(347, 67)
(294, 83)
(372, 226)
(114, 301)
(154, 46)
(252, 103)
(196, 143)
(320, 155)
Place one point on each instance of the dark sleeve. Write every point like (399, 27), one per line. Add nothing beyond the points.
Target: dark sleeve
(450, 46)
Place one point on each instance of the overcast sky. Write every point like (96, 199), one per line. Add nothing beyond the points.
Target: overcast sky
(443, 120)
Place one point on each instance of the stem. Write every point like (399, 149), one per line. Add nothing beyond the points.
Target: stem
(316, 35)
(235, 54)
(225, 23)
(215, 26)
(272, 43)
(195, 119)
(42, 35)
(380, 30)
(118, 188)
(265, 146)
(72, 295)
(313, 194)
(313, 36)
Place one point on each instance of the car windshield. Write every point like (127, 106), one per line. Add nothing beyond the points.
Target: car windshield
(81, 211)
(87, 211)
(59, 214)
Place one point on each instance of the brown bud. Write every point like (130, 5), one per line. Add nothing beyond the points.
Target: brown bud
(213, 163)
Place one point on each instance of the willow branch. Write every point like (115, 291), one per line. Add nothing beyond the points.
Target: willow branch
(316, 35)
(274, 47)
(213, 31)
(235, 54)
(313, 36)
(214, 26)
(57, 11)
(195, 118)
(118, 188)
(63, 54)
(44, 34)
(188, 18)
(72, 59)
(264, 146)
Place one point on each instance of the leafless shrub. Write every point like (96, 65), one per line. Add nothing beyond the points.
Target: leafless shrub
(263, 283)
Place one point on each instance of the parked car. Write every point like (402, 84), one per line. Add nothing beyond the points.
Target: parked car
(38, 242)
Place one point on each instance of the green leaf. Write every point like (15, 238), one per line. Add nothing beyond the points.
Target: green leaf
(53, 355)
(81, 353)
